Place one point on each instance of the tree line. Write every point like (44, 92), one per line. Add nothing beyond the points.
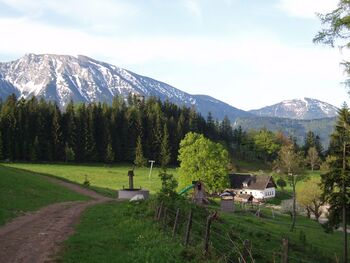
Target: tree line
(135, 129)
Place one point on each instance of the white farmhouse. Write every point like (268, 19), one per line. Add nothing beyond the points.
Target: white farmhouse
(259, 186)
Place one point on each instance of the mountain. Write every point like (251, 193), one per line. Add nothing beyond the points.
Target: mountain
(61, 78)
(302, 109)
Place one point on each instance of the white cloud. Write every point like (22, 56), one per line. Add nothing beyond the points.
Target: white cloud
(193, 7)
(267, 62)
(84, 11)
(307, 8)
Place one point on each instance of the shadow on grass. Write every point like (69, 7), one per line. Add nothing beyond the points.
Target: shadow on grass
(103, 191)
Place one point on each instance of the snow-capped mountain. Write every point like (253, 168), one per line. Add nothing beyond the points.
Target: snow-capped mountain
(303, 109)
(83, 79)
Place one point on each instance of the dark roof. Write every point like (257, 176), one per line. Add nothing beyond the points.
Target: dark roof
(250, 181)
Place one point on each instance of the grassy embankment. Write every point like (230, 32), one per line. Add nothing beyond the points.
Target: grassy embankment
(122, 232)
(22, 191)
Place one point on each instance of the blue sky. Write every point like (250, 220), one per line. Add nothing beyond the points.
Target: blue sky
(248, 53)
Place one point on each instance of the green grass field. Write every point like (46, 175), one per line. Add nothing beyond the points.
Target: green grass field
(23, 191)
(119, 231)
(116, 232)
(102, 178)
(308, 243)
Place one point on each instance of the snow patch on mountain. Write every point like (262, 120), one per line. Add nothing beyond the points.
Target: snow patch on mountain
(82, 79)
(303, 109)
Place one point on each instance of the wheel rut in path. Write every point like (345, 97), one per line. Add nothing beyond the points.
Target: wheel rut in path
(37, 237)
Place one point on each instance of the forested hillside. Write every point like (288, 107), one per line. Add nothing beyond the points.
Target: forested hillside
(37, 130)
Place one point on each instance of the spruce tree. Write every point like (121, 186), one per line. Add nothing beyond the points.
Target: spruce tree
(109, 154)
(35, 150)
(140, 160)
(337, 180)
(69, 153)
(165, 155)
(1, 153)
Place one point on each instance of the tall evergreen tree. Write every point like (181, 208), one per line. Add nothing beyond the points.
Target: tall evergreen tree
(140, 160)
(336, 181)
(165, 155)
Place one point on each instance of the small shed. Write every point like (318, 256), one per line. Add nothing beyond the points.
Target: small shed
(199, 195)
(227, 201)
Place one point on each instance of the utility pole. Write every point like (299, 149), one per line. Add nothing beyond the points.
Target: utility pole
(150, 170)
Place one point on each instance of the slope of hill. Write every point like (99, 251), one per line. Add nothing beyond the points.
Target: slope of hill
(291, 127)
(62, 78)
(303, 109)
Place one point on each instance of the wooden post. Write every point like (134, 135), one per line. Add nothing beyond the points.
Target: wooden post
(156, 213)
(284, 256)
(207, 233)
(246, 250)
(175, 222)
(165, 217)
(160, 211)
(188, 228)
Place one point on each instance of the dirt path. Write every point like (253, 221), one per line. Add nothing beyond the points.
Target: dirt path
(38, 236)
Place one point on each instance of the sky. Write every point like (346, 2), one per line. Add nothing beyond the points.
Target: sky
(247, 53)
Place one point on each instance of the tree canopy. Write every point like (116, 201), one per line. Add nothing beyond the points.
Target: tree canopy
(203, 159)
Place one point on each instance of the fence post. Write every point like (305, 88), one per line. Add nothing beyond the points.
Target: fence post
(175, 222)
(156, 213)
(188, 228)
(165, 217)
(246, 250)
(160, 211)
(207, 232)
(284, 257)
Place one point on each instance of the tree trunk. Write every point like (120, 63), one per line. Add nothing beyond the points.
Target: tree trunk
(345, 256)
(308, 212)
(345, 226)
(294, 207)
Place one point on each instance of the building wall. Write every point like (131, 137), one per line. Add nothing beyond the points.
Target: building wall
(270, 192)
(260, 194)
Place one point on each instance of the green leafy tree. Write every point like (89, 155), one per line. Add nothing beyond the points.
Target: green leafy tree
(165, 155)
(203, 159)
(336, 29)
(310, 197)
(140, 160)
(313, 158)
(289, 163)
(169, 184)
(265, 142)
(336, 182)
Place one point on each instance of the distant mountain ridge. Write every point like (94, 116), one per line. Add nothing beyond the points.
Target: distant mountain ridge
(301, 109)
(61, 78)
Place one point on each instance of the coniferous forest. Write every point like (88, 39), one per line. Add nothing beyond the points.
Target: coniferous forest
(38, 130)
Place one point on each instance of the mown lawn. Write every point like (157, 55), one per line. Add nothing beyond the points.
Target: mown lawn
(105, 179)
(22, 191)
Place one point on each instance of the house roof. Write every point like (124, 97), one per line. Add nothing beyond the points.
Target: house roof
(250, 181)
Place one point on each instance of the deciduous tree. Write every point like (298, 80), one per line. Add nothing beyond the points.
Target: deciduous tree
(203, 159)
(310, 197)
(290, 165)
(313, 158)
